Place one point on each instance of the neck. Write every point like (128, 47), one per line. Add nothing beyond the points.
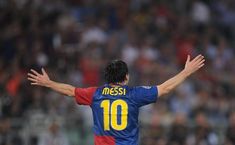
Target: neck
(118, 84)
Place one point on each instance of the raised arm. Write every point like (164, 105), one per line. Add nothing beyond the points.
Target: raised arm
(44, 80)
(190, 68)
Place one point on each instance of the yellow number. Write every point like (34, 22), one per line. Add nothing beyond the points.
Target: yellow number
(105, 104)
(124, 112)
(114, 107)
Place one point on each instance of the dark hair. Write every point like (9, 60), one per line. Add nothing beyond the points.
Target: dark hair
(116, 71)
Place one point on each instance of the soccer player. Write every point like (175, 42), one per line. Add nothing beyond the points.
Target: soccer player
(115, 105)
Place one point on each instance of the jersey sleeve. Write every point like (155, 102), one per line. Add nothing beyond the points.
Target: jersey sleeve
(144, 95)
(84, 96)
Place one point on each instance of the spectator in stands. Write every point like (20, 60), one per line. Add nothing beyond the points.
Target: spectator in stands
(54, 136)
(179, 130)
(230, 133)
(203, 133)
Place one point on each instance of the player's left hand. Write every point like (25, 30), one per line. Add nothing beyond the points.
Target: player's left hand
(38, 79)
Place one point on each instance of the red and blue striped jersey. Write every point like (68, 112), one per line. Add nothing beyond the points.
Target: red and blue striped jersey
(115, 111)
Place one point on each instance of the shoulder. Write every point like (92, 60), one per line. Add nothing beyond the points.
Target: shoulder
(140, 88)
(84, 96)
(144, 90)
(88, 90)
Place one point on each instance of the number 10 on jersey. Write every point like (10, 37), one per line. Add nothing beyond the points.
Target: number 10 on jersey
(110, 113)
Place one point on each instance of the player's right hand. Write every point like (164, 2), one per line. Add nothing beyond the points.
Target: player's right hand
(194, 65)
(39, 79)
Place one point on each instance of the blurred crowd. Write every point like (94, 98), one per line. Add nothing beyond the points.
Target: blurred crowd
(74, 39)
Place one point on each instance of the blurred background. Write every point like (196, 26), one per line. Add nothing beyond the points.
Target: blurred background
(74, 39)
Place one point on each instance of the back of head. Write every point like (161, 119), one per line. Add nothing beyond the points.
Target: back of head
(116, 72)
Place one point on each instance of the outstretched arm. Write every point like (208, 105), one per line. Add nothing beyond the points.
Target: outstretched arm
(44, 80)
(190, 68)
